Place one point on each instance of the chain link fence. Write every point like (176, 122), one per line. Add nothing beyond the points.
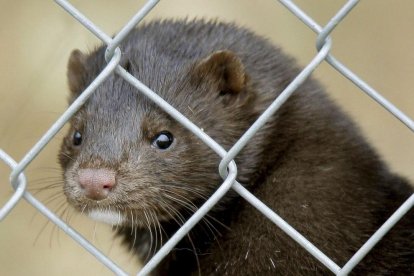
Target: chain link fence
(227, 168)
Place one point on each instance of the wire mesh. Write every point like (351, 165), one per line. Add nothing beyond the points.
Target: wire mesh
(227, 167)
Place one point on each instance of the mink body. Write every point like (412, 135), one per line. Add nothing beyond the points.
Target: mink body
(309, 163)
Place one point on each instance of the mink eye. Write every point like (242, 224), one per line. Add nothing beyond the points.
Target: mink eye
(77, 138)
(163, 140)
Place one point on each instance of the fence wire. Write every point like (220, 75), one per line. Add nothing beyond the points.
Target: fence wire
(227, 167)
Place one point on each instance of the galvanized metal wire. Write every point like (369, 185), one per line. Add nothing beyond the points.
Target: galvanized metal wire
(227, 167)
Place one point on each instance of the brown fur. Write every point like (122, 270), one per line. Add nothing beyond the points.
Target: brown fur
(309, 163)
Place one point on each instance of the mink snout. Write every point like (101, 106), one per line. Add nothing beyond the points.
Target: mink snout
(96, 183)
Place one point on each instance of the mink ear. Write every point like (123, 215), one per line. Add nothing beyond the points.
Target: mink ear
(76, 72)
(226, 68)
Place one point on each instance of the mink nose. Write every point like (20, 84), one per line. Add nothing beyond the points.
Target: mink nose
(96, 183)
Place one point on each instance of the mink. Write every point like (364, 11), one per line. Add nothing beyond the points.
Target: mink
(127, 162)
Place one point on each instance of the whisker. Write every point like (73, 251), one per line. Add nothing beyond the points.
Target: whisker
(69, 214)
(193, 208)
(198, 192)
(50, 185)
(132, 219)
(60, 213)
(68, 156)
(40, 232)
(119, 217)
(155, 232)
(173, 209)
(94, 231)
(135, 236)
(54, 197)
(83, 208)
(151, 237)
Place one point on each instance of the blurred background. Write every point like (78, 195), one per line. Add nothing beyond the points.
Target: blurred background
(376, 41)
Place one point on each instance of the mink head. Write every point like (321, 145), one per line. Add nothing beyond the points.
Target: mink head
(125, 159)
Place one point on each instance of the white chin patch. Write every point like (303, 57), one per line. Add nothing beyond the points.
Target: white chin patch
(110, 217)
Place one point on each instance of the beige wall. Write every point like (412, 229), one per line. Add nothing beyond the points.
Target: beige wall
(376, 41)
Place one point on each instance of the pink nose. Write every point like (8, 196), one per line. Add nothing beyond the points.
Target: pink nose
(96, 183)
